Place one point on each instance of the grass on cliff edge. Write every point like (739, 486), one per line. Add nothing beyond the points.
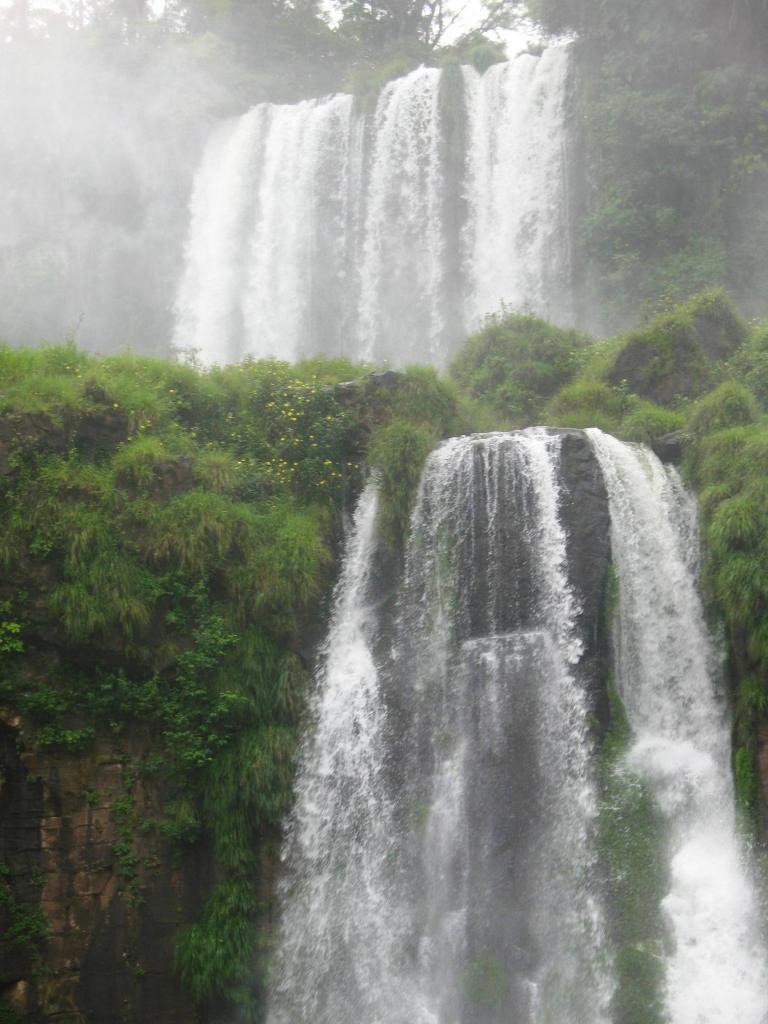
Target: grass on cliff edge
(167, 548)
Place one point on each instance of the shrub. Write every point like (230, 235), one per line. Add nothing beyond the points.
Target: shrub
(136, 463)
(750, 363)
(588, 403)
(423, 398)
(648, 422)
(398, 453)
(729, 405)
(217, 470)
(515, 363)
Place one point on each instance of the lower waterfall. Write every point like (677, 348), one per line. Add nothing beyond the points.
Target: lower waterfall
(443, 862)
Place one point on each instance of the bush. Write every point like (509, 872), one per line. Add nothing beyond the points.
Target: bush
(588, 403)
(398, 453)
(515, 363)
(648, 422)
(136, 464)
(423, 398)
(730, 405)
(750, 363)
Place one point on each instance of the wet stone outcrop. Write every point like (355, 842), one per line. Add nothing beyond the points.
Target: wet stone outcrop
(584, 512)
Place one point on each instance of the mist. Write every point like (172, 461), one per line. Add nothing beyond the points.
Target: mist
(97, 149)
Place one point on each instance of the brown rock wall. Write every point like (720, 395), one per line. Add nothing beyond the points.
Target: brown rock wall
(80, 837)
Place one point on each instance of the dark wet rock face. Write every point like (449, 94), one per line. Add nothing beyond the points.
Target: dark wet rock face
(585, 515)
(21, 808)
(78, 839)
(669, 447)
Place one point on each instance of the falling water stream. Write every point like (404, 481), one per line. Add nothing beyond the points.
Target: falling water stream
(381, 235)
(442, 863)
(669, 674)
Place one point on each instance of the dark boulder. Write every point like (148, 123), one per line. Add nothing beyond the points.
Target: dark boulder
(674, 356)
(585, 515)
(669, 447)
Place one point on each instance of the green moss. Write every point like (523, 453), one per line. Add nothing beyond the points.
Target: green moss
(425, 398)
(678, 354)
(137, 464)
(485, 983)
(10, 631)
(737, 524)
(218, 471)
(167, 536)
(25, 924)
(214, 956)
(8, 1015)
(750, 363)
(610, 610)
(664, 361)
(745, 781)
(648, 422)
(716, 459)
(398, 452)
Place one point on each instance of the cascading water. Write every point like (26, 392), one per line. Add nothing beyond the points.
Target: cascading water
(268, 232)
(668, 674)
(318, 228)
(402, 259)
(442, 858)
(508, 919)
(445, 860)
(514, 113)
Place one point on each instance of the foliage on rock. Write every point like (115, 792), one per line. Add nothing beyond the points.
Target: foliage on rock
(167, 547)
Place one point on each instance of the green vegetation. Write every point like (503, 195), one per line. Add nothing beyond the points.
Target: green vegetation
(25, 927)
(169, 535)
(485, 983)
(675, 123)
(423, 409)
(8, 1015)
(698, 372)
(398, 453)
(169, 544)
(631, 843)
(515, 363)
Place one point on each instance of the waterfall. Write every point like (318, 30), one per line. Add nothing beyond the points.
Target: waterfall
(669, 676)
(267, 233)
(441, 861)
(401, 272)
(515, 111)
(342, 933)
(445, 860)
(384, 235)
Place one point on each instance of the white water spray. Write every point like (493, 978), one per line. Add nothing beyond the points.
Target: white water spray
(515, 187)
(669, 676)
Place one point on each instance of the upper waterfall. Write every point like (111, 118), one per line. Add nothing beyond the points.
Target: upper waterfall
(319, 228)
